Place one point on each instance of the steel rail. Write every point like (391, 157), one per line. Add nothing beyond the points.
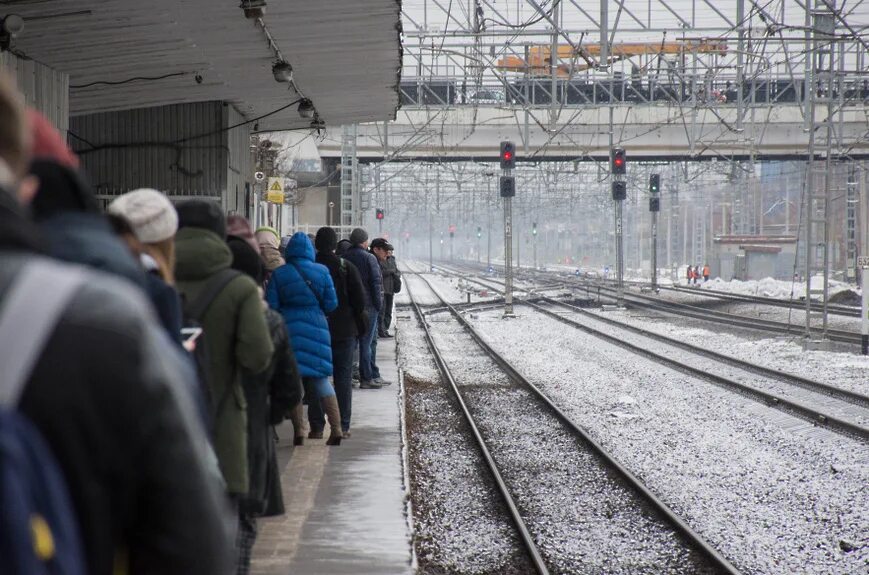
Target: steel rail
(704, 314)
(793, 379)
(522, 529)
(732, 319)
(770, 399)
(839, 425)
(844, 310)
(632, 480)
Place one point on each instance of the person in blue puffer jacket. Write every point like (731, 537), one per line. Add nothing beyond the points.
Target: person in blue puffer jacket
(303, 292)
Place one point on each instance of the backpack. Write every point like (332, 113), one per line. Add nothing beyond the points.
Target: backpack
(38, 527)
(193, 313)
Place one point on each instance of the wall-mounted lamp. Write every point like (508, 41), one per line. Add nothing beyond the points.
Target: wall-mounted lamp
(11, 26)
(253, 9)
(282, 71)
(306, 109)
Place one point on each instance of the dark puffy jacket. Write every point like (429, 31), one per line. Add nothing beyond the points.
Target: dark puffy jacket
(237, 338)
(303, 292)
(369, 271)
(391, 275)
(109, 399)
(349, 319)
(270, 395)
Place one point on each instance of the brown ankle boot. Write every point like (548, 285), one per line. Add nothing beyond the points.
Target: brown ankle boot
(333, 414)
(296, 417)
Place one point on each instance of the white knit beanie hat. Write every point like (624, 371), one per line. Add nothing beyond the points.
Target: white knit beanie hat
(149, 212)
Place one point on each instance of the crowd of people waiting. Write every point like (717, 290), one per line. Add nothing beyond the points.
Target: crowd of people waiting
(148, 351)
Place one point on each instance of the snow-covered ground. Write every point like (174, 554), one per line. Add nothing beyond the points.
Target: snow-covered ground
(773, 288)
(771, 492)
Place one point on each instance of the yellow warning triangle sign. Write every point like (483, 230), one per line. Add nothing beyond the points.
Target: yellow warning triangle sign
(276, 186)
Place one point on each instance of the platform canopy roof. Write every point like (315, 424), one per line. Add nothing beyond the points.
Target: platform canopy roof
(345, 54)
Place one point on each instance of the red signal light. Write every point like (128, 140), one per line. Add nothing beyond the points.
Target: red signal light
(508, 155)
(619, 161)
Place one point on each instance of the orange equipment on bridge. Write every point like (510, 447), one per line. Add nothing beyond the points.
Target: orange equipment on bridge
(540, 64)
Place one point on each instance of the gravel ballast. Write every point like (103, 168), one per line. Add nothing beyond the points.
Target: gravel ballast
(584, 518)
(461, 526)
(771, 500)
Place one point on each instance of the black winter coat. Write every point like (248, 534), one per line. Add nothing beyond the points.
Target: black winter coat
(270, 396)
(107, 397)
(369, 271)
(349, 319)
(391, 275)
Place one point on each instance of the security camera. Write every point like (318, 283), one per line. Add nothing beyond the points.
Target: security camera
(198, 78)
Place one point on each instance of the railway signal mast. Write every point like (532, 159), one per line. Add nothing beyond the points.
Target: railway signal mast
(508, 190)
(618, 169)
(654, 207)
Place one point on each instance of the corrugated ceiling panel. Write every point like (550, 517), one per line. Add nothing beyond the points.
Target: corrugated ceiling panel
(346, 54)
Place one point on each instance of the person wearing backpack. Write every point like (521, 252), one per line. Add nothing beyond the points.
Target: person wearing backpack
(303, 292)
(103, 389)
(235, 334)
(346, 322)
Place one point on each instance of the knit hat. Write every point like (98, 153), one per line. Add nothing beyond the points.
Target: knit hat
(149, 212)
(326, 240)
(47, 143)
(261, 235)
(358, 236)
(202, 214)
(61, 190)
(343, 246)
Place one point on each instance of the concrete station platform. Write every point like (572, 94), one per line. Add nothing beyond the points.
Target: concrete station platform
(345, 505)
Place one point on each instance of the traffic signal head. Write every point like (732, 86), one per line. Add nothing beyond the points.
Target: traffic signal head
(619, 161)
(654, 183)
(655, 204)
(508, 155)
(508, 186)
(620, 191)
(534, 228)
(479, 232)
(379, 213)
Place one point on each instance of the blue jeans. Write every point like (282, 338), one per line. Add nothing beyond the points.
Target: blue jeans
(366, 361)
(342, 366)
(317, 388)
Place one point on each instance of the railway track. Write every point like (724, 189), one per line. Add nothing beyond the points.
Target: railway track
(838, 409)
(843, 310)
(693, 311)
(561, 469)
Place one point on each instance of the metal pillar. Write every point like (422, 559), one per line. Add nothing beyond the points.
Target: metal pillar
(864, 325)
(851, 271)
(617, 216)
(534, 242)
(508, 256)
(654, 250)
(822, 58)
(349, 177)
(430, 242)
